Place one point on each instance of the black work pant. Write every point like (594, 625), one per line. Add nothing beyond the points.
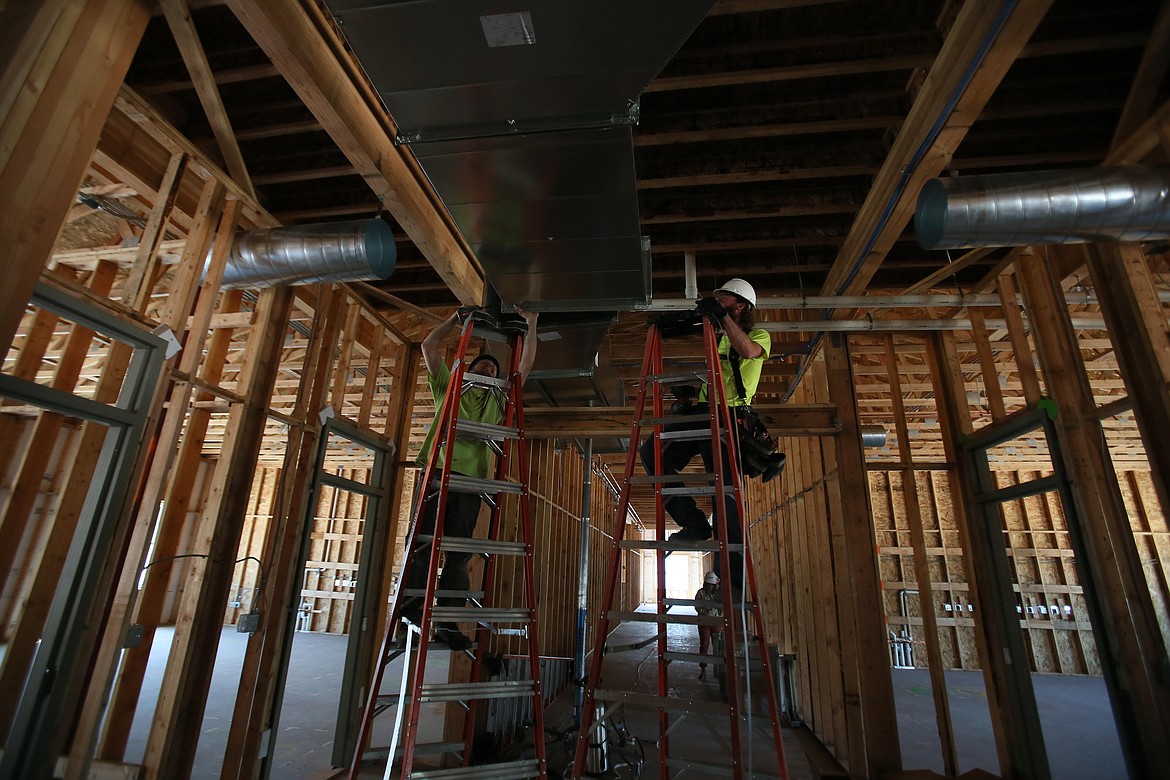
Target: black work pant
(676, 455)
(462, 513)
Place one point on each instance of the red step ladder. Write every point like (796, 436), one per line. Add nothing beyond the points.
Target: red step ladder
(508, 441)
(672, 709)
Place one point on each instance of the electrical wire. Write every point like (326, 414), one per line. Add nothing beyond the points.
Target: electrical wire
(259, 565)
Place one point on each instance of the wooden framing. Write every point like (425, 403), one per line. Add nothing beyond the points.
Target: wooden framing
(232, 448)
(50, 128)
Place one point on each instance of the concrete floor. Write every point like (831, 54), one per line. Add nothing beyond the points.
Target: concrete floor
(1075, 713)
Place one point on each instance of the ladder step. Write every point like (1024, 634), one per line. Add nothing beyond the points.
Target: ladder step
(707, 490)
(479, 380)
(682, 763)
(649, 701)
(696, 603)
(678, 379)
(462, 483)
(668, 617)
(489, 546)
(507, 771)
(477, 614)
(507, 689)
(694, 435)
(470, 429)
(707, 545)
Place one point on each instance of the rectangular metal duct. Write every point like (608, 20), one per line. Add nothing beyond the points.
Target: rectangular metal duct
(520, 114)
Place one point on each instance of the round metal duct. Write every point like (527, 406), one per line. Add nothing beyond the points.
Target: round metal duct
(1046, 207)
(361, 250)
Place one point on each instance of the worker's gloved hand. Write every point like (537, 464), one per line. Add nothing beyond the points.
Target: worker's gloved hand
(710, 306)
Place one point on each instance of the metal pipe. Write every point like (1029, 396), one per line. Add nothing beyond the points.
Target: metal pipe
(873, 436)
(583, 585)
(692, 281)
(361, 250)
(1048, 207)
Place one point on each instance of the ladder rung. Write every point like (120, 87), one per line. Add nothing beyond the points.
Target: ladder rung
(670, 704)
(479, 380)
(485, 614)
(695, 435)
(667, 617)
(696, 603)
(706, 490)
(682, 763)
(507, 771)
(433, 692)
(490, 546)
(470, 429)
(707, 545)
(462, 483)
(678, 379)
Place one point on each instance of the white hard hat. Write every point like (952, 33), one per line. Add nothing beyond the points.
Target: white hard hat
(741, 288)
(712, 578)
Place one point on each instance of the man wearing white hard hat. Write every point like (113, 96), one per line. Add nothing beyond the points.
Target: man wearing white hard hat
(708, 593)
(743, 348)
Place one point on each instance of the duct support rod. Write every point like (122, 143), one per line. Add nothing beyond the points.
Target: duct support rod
(583, 586)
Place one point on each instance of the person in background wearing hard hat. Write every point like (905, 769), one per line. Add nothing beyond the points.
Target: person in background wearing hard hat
(743, 348)
(709, 592)
(471, 458)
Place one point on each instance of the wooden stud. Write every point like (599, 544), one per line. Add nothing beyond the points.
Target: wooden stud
(926, 602)
(1130, 630)
(180, 436)
(872, 721)
(187, 38)
(1019, 337)
(136, 290)
(52, 129)
(170, 748)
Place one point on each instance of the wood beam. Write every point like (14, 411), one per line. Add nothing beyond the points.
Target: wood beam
(170, 748)
(979, 49)
(1150, 73)
(187, 38)
(869, 689)
(1137, 320)
(912, 507)
(308, 55)
(1126, 626)
(255, 698)
(56, 101)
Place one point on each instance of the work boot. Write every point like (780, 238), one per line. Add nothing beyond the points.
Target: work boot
(692, 534)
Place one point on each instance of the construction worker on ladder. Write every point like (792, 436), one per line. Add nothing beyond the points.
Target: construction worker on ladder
(743, 349)
(470, 458)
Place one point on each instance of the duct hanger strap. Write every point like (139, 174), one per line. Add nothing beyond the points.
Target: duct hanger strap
(1049, 207)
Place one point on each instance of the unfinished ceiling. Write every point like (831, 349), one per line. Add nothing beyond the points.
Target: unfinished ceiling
(782, 142)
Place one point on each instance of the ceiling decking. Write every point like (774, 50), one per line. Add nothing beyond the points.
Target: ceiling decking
(784, 141)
